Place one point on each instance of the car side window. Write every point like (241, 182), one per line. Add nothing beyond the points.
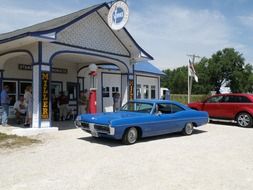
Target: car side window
(176, 108)
(228, 99)
(163, 108)
(168, 108)
(214, 99)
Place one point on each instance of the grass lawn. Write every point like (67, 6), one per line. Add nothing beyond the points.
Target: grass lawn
(183, 98)
(14, 141)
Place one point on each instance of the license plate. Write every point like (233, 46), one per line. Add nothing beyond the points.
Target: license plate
(93, 130)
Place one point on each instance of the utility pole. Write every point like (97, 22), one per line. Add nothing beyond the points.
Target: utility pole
(192, 56)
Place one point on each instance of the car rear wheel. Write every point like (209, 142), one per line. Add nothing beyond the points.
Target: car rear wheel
(130, 136)
(244, 120)
(188, 129)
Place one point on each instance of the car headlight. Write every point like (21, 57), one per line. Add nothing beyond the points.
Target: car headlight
(78, 118)
(112, 130)
(77, 121)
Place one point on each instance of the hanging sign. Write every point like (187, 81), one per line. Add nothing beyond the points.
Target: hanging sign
(54, 69)
(45, 95)
(131, 89)
(118, 15)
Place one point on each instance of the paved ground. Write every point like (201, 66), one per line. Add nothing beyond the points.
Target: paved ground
(216, 157)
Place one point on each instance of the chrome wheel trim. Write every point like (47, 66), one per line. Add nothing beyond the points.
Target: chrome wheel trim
(243, 120)
(188, 128)
(132, 135)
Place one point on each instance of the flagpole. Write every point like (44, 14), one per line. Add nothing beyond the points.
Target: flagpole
(188, 83)
(190, 77)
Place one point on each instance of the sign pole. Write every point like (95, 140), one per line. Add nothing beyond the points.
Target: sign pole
(190, 76)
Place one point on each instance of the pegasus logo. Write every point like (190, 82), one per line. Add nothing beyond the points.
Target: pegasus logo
(118, 15)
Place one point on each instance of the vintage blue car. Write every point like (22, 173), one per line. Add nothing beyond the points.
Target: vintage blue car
(142, 118)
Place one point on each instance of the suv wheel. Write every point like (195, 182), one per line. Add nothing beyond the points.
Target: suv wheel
(244, 120)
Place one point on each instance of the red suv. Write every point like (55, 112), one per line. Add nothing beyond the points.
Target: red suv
(234, 107)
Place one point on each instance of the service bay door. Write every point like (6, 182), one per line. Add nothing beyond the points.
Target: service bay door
(111, 84)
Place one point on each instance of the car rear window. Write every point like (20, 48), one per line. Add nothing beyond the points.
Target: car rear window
(243, 99)
(236, 99)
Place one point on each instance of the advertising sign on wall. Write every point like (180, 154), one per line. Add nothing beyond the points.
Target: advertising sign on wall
(45, 95)
(131, 89)
(118, 15)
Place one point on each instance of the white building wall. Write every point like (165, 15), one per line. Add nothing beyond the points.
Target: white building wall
(11, 68)
(92, 33)
(71, 76)
(145, 84)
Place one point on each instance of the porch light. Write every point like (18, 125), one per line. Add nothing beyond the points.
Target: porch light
(93, 67)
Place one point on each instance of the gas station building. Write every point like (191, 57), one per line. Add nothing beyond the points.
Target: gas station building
(57, 55)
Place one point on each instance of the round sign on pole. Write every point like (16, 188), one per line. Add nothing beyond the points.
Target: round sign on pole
(118, 15)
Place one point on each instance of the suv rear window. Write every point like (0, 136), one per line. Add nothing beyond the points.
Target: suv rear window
(236, 99)
(243, 99)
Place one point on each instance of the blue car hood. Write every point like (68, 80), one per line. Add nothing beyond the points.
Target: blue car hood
(106, 118)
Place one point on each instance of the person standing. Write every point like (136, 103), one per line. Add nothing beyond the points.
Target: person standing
(116, 102)
(63, 106)
(55, 108)
(5, 102)
(29, 101)
(20, 109)
(82, 102)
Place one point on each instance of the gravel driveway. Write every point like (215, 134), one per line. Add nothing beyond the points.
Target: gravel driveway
(215, 157)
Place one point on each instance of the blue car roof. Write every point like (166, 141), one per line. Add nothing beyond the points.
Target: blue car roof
(158, 101)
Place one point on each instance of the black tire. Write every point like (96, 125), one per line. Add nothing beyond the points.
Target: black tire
(130, 136)
(244, 119)
(188, 129)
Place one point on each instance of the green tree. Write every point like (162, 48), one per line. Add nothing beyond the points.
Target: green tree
(227, 67)
(175, 80)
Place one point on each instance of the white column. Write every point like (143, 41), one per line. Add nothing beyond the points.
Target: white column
(36, 99)
(41, 117)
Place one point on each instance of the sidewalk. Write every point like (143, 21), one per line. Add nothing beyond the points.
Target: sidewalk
(19, 129)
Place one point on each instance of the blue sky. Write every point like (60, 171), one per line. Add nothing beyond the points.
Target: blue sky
(168, 30)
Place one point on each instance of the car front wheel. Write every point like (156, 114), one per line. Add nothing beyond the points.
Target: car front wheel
(188, 129)
(244, 120)
(130, 136)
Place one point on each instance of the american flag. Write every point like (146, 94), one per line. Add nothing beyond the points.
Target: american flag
(192, 72)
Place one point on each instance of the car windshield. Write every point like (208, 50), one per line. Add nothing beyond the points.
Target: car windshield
(137, 107)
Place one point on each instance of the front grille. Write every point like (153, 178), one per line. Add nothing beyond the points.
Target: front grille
(102, 128)
(85, 125)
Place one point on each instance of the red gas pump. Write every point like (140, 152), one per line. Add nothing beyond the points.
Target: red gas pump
(93, 101)
(93, 94)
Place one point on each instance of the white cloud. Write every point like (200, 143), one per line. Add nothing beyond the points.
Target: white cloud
(246, 20)
(12, 18)
(170, 33)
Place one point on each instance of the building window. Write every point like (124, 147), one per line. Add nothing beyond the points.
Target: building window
(12, 90)
(153, 92)
(115, 90)
(71, 88)
(106, 92)
(22, 86)
(56, 88)
(146, 91)
(138, 91)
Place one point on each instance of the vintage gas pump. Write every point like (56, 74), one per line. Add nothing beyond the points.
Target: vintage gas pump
(93, 89)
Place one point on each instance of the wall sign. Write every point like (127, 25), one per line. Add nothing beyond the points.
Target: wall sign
(118, 15)
(45, 95)
(131, 89)
(54, 69)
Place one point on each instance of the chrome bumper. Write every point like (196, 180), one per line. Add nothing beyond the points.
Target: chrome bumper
(95, 129)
